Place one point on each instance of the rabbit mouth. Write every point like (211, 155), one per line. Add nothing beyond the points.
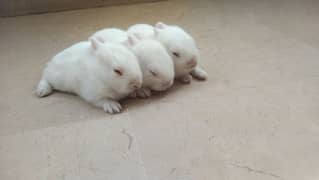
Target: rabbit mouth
(136, 87)
(191, 65)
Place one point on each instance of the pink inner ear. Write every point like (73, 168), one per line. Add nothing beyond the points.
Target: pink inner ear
(160, 25)
(94, 43)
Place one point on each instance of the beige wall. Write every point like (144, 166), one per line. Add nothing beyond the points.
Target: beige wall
(22, 7)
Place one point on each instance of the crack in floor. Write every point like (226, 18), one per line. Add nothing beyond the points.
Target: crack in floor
(130, 138)
(249, 169)
(171, 172)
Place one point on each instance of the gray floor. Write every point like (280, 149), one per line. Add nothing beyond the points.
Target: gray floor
(256, 118)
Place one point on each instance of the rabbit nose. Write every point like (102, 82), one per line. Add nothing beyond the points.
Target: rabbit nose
(192, 63)
(136, 84)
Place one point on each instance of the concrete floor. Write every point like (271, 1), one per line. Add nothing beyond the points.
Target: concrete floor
(256, 118)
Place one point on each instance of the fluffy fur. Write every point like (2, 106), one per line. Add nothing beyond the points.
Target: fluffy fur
(180, 46)
(100, 73)
(156, 64)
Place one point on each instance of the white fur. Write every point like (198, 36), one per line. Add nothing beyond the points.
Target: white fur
(114, 35)
(143, 30)
(87, 69)
(152, 57)
(175, 39)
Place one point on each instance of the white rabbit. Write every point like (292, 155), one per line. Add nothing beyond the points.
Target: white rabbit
(100, 73)
(180, 46)
(156, 65)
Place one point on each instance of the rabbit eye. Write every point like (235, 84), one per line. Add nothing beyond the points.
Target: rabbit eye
(153, 73)
(176, 54)
(118, 72)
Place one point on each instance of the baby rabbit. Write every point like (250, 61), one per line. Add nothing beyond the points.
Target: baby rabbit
(180, 46)
(100, 73)
(156, 65)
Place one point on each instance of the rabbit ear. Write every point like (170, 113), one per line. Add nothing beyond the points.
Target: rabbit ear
(99, 38)
(132, 40)
(137, 36)
(160, 25)
(95, 44)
